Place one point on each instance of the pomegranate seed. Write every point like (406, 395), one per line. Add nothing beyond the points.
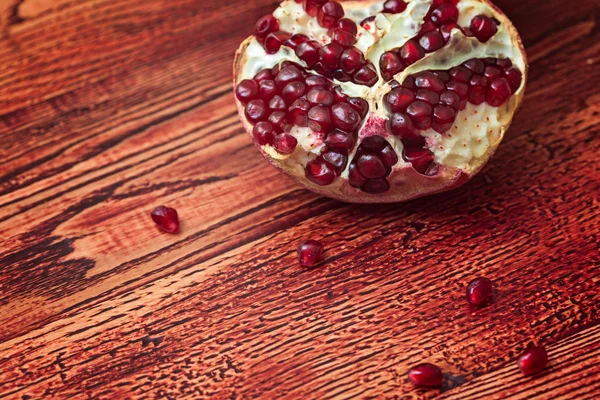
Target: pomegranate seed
(443, 75)
(443, 118)
(450, 99)
(370, 166)
(460, 74)
(427, 26)
(504, 63)
(298, 113)
(335, 159)
(355, 178)
(533, 360)
(330, 14)
(411, 52)
(344, 38)
(274, 41)
(513, 77)
(246, 90)
(428, 96)
(489, 61)
(264, 133)
(277, 103)
(320, 96)
(285, 144)
(341, 76)
(461, 89)
(427, 80)
(475, 66)
(479, 292)
(388, 156)
(348, 25)
(365, 23)
(279, 121)
(338, 95)
(319, 119)
(390, 64)
(394, 6)
(444, 14)
(426, 375)
(264, 26)
(338, 139)
(421, 159)
(264, 75)
(310, 252)
(345, 117)
(478, 88)
(394, 84)
(316, 80)
(288, 74)
(351, 60)
(267, 89)
(293, 91)
(359, 105)
(256, 110)
(295, 40)
(330, 55)
(308, 52)
(446, 31)
(492, 72)
(498, 92)
(409, 83)
(373, 143)
(483, 28)
(376, 186)
(322, 70)
(399, 98)
(402, 126)
(166, 218)
(312, 7)
(319, 172)
(432, 41)
(367, 75)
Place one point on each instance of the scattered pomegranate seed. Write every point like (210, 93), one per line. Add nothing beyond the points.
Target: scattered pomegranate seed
(310, 252)
(166, 218)
(479, 292)
(483, 28)
(533, 360)
(426, 374)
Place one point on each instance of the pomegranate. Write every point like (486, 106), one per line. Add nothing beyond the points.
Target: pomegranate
(310, 252)
(166, 218)
(374, 101)
(479, 292)
(426, 374)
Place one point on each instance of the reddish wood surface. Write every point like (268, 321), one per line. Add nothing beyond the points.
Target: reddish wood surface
(111, 107)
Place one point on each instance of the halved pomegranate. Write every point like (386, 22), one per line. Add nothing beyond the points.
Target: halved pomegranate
(380, 101)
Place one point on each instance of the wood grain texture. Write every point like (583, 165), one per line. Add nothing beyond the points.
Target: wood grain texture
(111, 107)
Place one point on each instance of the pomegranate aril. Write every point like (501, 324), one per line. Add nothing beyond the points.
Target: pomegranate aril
(427, 80)
(341, 76)
(345, 117)
(263, 133)
(355, 178)
(246, 90)
(399, 98)
(394, 6)
(446, 31)
(351, 60)
(267, 89)
(478, 89)
(420, 113)
(338, 95)
(461, 89)
(295, 41)
(513, 77)
(264, 75)
(443, 75)
(427, 27)
(320, 96)
(166, 218)
(498, 92)
(461, 74)
(278, 120)
(373, 143)
(533, 360)
(289, 73)
(344, 38)
(274, 41)
(256, 110)
(479, 292)
(293, 91)
(492, 72)
(483, 28)
(308, 52)
(264, 26)
(347, 25)
(367, 75)
(277, 103)
(428, 96)
(409, 83)
(489, 61)
(411, 52)
(323, 70)
(443, 118)
(370, 166)
(319, 119)
(504, 63)
(432, 41)
(366, 23)
(309, 253)
(285, 144)
(312, 7)
(426, 374)
(316, 80)
(376, 186)
(402, 126)
(298, 113)
(338, 139)
(421, 159)
(319, 172)
(388, 156)
(450, 99)
(475, 66)
(444, 14)
(390, 64)
(330, 14)
(336, 159)
(359, 105)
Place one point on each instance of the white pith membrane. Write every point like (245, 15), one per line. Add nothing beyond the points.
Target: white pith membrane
(462, 150)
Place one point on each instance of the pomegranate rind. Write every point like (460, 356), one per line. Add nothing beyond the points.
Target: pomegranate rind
(405, 183)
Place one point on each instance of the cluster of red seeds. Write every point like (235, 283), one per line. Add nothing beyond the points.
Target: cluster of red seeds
(372, 164)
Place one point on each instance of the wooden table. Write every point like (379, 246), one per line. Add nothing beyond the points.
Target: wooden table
(112, 107)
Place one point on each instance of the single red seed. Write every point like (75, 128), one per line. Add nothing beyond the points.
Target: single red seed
(285, 144)
(483, 28)
(312, 6)
(319, 172)
(388, 156)
(335, 159)
(264, 133)
(444, 14)
(166, 218)
(426, 374)
(399, 98)
(432, 41)
(409, 83)
(338, 95)
(319, 119)
(277, 103)
(317, 80)
(367, 75)
(492, 72)
(323, 70)
(298, 113)
(337, 139)
(461, 74)
(427, 80)
(443, 118)
(274, 41)
(265, 25)
(477, 90)
(344, 38)
(267, 89)
(394, 6)
(289, 73)
(354, 177)
(330, 14)
(264, 75)
(479, 292)
(513, 77)
(310, 252)
(348, 25)
(359, 105)
(351, 60)
(370, 166)
(450, 99)
(293, 91)
(428, 96)
(403, 127)
(443, 75)
(256, 111)
(390, 64)
(320, 96)
(420, 113)
(345, 117)
(503, 63)
(421, 159)
(308, 52)
(461, 89)
(489, 61)
(246, 90)
(330, 55)
(475, 66)
(446, 31)
(411, 52)
(498, 93)
(428, 26)
(533, 360)
(279, 121)
(295, 40)
(373, 144)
